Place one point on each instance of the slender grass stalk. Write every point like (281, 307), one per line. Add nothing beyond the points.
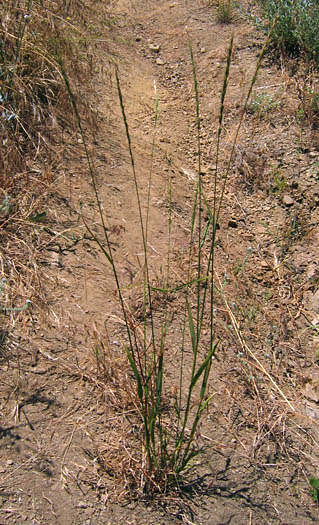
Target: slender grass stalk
(152, 159)
(188, 318)
(198, 189)
(151, 376)
(184, 456)
(251, 86)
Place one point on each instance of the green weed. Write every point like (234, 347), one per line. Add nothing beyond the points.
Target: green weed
(262, 103)
(308, 95)
(225, 10)
(314, 482)
(278, 183)
(240, 266)
(297, 27)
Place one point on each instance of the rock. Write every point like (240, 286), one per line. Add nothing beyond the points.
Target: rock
(311, 392)
(203, 50)
(311, 387)
(260, 229)
(311, 301)
(287, 200)
(192, 176)
(5, 207)
(160, 62)
(311, 270)
(154, 48)
(82, 505)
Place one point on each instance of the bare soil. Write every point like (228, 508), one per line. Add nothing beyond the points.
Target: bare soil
(59, 412)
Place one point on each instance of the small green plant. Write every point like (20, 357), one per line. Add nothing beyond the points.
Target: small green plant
(314, 483)
(308, 94)
(297, 27)
(279, 182)
(225, 10)
(262, 103)
(5, 207)
(300, 116)
(297, 226)
(240, 266)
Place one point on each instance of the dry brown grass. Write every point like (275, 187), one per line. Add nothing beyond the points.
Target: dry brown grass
(35, 118)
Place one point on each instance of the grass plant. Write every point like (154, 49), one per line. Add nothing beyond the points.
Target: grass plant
(262, 103)
(225, 10)
(168, 426)
(314, 483)
(308, 94)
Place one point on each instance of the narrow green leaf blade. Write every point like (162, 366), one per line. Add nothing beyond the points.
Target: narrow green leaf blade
(203, 366)
(136, 373)
(191, 327)
(38, 217)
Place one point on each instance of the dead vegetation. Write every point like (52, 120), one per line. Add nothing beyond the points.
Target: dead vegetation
(36, 127)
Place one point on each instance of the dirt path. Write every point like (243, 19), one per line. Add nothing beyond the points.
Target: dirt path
(54, 419)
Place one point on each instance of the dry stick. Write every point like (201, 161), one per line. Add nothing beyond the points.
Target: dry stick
(246, 347)
(66, 449)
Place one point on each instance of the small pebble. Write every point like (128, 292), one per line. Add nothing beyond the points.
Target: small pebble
(154, 48)
(287, 200)
(82, 505)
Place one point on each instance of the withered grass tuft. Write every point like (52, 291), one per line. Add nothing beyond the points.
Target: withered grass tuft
(35, 117)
